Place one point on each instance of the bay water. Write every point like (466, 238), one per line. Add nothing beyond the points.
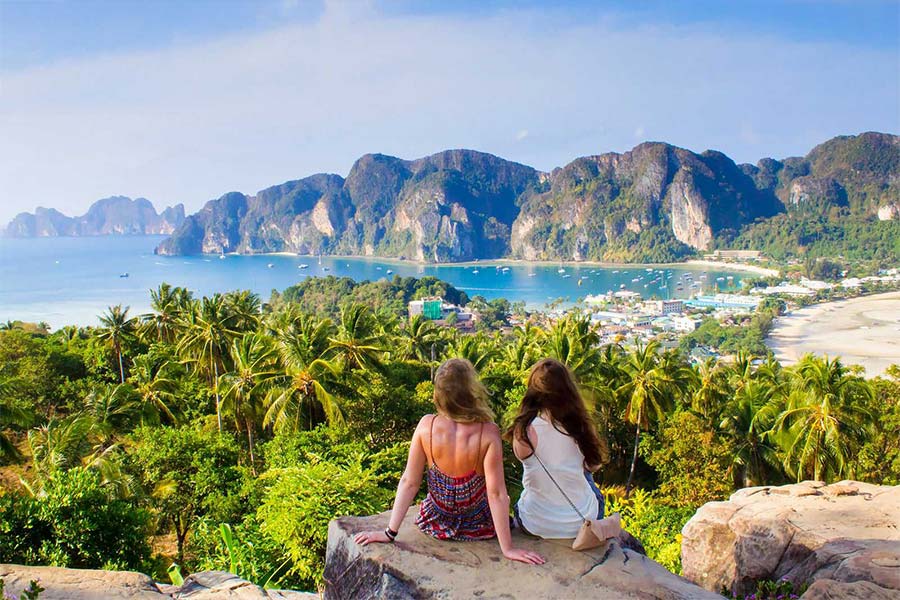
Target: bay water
(71, 280)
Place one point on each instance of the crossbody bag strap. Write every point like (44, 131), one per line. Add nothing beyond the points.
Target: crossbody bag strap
(566, 496)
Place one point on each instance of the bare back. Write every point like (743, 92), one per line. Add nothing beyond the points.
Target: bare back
(456, 449)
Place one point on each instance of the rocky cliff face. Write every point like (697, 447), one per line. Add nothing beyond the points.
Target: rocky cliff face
(418, 566)
(843, 539)
(656, 202)
(456, 205)
(605, 207)
(117, 215)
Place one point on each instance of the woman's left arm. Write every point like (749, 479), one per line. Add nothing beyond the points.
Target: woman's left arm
(498, 499)
(407, 489)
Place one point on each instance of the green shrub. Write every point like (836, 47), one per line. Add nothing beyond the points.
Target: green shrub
(73, 523)
(300, 501)
(692, 463)
(657, 525)
(242, 549)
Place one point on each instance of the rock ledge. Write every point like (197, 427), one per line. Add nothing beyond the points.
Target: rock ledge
(843, 539)
(417, 566)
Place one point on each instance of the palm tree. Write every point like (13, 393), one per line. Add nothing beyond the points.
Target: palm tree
(209, 331)
(474, 348)
(746, 421)
(573, 341)
(246, 308)
(112, 409)
(522, 352)
(69, 333)
(10, 415)
(712, 390)
(168, 304)
(826, 419)
(309, 378)
(418, 338)
(117, 329)
(151, 380)
(61, 443)
(356, 343)
(647, 390)
(255, 369)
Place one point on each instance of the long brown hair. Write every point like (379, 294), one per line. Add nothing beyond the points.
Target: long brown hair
(459, 394)
(552, 387)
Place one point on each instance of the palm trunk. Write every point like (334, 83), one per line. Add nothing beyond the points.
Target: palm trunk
(121, 367)
(218, 400)
(637, 435)
(250, 443)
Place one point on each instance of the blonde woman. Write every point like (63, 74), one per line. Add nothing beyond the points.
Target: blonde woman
(461, 447)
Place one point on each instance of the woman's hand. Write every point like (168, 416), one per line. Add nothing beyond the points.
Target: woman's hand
(371, 537)
(525, 556)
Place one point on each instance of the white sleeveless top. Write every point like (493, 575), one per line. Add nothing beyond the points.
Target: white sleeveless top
(542, 508)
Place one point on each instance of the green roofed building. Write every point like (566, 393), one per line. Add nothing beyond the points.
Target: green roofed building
(431, 309)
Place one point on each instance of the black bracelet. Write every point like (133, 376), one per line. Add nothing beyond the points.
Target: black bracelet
(392, 535)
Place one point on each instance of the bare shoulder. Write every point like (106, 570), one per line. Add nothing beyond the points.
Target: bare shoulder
(423, 426)
(425, 422)
(491, 430)
(490, 435)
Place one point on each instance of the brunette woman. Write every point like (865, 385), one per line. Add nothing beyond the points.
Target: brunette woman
(553, 426)
(461, 447)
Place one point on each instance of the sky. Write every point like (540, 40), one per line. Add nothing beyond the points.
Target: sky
(182, 101)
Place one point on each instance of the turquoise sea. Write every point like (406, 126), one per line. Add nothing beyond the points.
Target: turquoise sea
(72, 280)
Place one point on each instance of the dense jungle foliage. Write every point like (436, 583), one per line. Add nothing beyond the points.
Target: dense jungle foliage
(221, 432)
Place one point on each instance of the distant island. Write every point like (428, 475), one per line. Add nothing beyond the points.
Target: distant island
(116, 215)
(654, 203)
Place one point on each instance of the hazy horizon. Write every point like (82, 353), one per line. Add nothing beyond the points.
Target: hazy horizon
(180, 103)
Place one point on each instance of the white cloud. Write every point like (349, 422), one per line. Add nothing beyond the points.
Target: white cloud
(521, 135)
(189, 123)
(639, 133)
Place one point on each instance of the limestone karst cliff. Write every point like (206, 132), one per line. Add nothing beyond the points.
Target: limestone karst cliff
(117, 215)
(656, 202)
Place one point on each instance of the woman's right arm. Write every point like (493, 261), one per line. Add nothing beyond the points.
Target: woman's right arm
(407, 489)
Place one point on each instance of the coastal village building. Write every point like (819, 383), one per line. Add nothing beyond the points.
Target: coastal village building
(685, 324)
(720, 301)
(435, 309)
(664, 307)
(734, 255)
(788, 289)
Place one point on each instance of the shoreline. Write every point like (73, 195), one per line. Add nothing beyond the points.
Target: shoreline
(861, 331)
(687, 264)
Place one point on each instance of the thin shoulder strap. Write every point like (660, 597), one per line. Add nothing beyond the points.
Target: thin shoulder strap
(566, 496)
(478, 454)
(431, 439)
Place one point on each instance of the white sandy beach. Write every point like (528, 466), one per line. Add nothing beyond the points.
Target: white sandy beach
(734, 266)
(861, 331)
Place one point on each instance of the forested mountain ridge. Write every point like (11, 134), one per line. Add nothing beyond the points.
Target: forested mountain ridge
(116, 215)
(454, 205)
(656, 202)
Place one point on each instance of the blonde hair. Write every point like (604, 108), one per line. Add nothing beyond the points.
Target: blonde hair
(459, 394)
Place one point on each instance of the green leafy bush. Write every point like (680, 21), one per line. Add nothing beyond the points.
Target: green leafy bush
(242, 549)
(691, 461)
(73, 523)
(190, 474)
(657, 525)
(300, 501)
